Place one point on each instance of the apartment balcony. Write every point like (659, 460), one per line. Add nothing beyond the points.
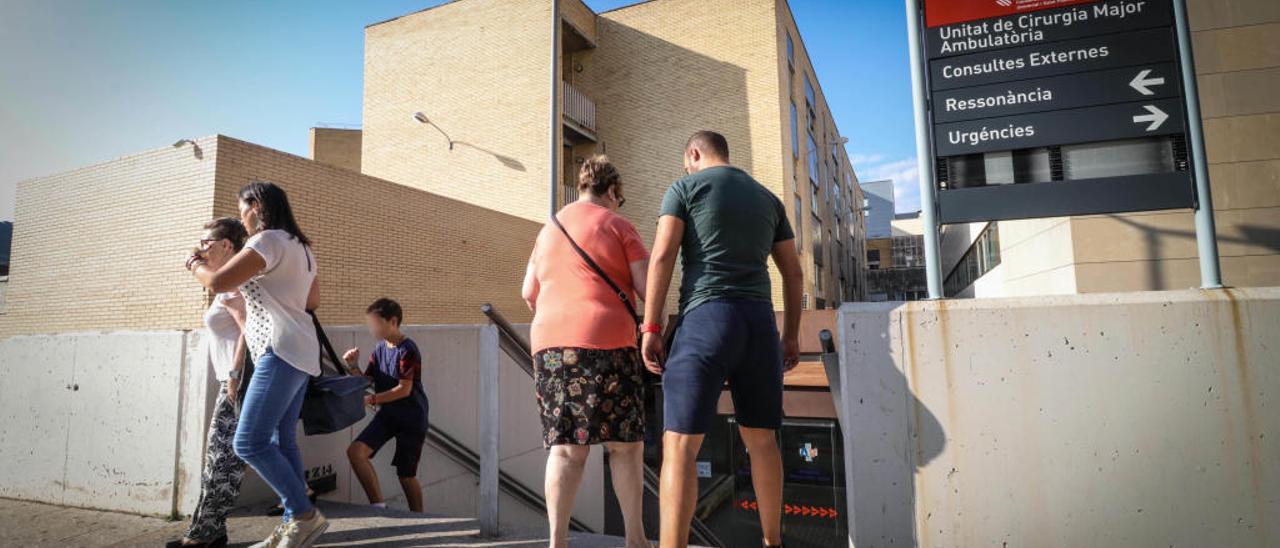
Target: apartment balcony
(579, 114)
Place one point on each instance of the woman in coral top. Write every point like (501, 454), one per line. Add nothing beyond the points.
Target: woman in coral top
(587, 368)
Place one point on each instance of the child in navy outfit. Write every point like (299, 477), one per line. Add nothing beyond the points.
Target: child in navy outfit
(395, 367)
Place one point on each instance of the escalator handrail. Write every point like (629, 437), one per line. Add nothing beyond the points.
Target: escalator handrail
(518, 349)
(464, 456)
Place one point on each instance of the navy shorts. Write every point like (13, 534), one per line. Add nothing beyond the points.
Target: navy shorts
(724, 340)
(409, 440)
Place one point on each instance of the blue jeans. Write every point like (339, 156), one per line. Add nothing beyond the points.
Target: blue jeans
(265, 437)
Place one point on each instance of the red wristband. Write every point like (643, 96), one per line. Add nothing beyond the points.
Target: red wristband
(650, 328)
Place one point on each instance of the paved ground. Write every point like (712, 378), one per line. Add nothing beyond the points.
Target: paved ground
(33, 525)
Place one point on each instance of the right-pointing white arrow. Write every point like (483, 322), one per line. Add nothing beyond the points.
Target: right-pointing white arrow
(1143, 84)
(1156, 118)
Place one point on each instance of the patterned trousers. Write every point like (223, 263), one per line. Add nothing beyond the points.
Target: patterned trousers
(223, 470)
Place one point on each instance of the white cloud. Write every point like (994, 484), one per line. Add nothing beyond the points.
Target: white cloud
(865, 159)
(903, 172)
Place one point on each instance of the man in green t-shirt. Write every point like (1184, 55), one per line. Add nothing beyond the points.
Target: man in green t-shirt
(725, 225)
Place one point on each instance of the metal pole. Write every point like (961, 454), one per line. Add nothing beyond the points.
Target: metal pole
(924, 153)
(555, 103)
(489, 428)
(1206, 232)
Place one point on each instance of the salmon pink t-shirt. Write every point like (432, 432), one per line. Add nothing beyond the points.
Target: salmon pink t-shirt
(574, 306)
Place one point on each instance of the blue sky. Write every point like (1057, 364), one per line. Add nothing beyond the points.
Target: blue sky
(86, 81)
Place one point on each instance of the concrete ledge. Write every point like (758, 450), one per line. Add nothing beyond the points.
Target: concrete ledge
(1140, 419)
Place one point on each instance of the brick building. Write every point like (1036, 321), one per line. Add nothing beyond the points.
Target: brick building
(457, 206)
(636, 82)
(102, 247)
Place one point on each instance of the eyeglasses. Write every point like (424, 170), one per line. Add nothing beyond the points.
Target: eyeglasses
(207, 241)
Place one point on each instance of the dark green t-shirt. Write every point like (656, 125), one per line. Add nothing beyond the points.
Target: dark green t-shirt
(731, 223)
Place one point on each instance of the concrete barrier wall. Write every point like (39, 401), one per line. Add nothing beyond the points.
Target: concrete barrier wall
(117, 421)
(1143, 419)
(97, 419)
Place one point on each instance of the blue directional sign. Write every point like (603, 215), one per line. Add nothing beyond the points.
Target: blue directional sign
(1033, 77)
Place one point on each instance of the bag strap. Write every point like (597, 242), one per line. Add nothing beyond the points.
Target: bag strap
(325, 346)
(622, 295)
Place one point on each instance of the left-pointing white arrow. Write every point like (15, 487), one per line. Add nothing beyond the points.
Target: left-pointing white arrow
(1143, 84)
(1155, 118)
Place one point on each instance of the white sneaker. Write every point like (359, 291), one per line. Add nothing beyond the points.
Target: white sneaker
(274, 540)
(300, 533)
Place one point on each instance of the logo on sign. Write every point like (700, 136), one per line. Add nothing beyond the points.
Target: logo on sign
(1005, 3)
(809, 452)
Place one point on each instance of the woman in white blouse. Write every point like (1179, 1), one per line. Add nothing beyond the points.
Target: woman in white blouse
(276, 275)
(224, 320)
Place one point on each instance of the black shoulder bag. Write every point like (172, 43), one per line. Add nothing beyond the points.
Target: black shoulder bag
(332, 402)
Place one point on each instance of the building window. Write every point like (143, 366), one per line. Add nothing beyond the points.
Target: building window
(813, 198)
(837, 256)
(833, 188)
(908, 251)
(873, 259)
(799, 228)
(813, 160)
(811, 99)
(791, 52)
(795, 131)
(981, 258)
(816, 231)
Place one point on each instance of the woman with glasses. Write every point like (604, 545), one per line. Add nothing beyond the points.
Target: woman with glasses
(223, 470)
(276, 275)
(587, 368)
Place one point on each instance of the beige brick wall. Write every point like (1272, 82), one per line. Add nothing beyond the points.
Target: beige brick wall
(796, 169)
(667, 68)
(480, 69)
(102, 247)
(661, 70)
(336, 147)
(440, 258)
(1237, 49)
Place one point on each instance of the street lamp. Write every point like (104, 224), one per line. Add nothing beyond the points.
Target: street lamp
(195, 147)
(423, 118)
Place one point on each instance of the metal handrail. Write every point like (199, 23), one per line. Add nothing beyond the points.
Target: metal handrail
(464, 456)
(518, 349)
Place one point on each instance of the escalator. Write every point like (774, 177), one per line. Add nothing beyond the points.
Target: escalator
(465, 457)
(517, 348)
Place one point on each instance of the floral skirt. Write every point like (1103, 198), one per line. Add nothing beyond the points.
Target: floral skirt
(588, 396)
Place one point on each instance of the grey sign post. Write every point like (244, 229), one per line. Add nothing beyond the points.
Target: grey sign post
(924, 164)
(1037, 79)
(1206, 232)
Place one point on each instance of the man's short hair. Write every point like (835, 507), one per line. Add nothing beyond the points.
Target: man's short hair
(386, 309)
(709, 142)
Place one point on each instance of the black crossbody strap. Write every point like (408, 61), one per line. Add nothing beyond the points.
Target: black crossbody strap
(622, 295)
(326, 347)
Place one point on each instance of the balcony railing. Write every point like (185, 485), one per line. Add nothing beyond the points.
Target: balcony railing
(578, 107)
